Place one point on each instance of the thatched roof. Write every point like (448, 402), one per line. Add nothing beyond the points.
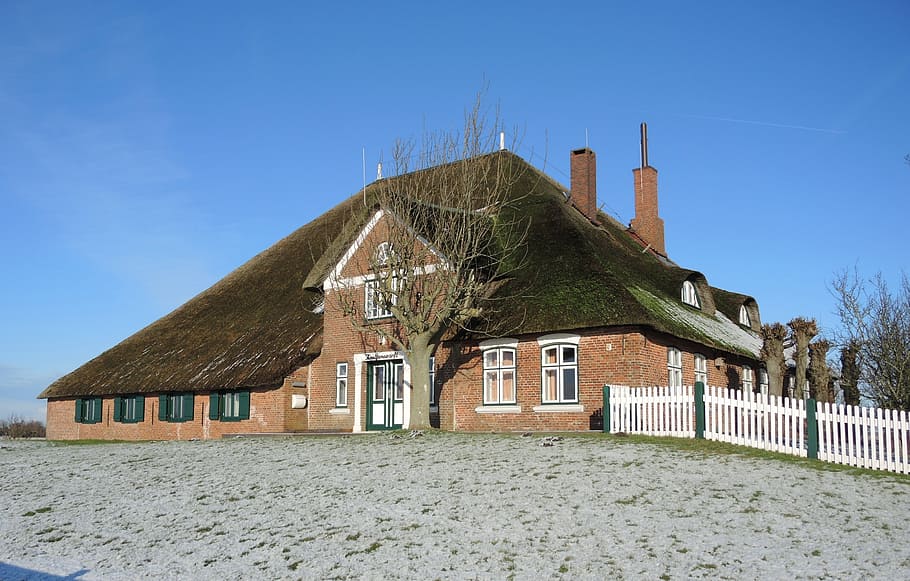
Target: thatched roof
(257, 325)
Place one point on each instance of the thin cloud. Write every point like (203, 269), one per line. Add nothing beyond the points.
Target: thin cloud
(768, 124)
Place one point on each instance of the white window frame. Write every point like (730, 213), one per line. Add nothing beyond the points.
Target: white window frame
(383, 253)
(230, 405)
(744, 318)
(432, 381)
(763, 381)
(748, 379)
(341, 385)
(701, 369)
(560, 365)
(371, 308)
(497, 372)
(674, 367)
(689, 294)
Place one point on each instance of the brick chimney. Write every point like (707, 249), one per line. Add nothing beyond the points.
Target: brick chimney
(646, 223)
(583, 167)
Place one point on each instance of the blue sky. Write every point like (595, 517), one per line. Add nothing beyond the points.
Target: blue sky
(148, 149)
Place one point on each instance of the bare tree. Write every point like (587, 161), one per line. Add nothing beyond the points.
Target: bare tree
(772, 353)
(803, 332)
(448, 238)
(877, 323)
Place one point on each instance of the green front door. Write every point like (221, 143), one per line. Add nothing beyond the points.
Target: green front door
(385, 395)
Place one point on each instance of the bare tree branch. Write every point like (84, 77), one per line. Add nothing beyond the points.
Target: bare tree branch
(447, 238)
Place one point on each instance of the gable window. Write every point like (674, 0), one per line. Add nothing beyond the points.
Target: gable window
(383, 254)
(341, 385)
(701, 369)
(689, 295)
(674, 367)
(229, 406)
(377, 303)
(499, 376)
(747, 378)
(744, 316)
(129, 409)
(559, 374)
(432, 381)
(175, 407)
(88, 410)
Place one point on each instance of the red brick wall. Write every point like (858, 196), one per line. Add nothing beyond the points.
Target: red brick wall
(619, 357)
(269, 410)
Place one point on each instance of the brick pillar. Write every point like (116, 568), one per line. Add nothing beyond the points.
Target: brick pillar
(583, 165)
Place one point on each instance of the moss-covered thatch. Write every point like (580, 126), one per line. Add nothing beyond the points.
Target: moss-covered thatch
(256, 325)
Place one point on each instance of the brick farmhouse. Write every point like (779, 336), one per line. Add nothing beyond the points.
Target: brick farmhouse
(268, 349)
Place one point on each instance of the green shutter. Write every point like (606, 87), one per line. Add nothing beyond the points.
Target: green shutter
(79, 411)
(244, 405)
(187, 407)
(97, 408)
(118, 409)
(162, 408)
(214, 406)
(140, 408)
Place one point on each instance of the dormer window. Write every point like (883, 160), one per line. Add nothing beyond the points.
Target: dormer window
(744, 316)
(689, 296)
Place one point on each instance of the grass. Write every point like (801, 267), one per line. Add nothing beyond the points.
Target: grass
(691, 445)
(714, 448)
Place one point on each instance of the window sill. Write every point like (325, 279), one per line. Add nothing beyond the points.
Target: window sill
(559, 407)
(340, 411)
(498, 409)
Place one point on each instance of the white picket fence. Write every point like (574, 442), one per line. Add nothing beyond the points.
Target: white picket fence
(855, 436)
(868, 437)
(766, 422)
(655, 411)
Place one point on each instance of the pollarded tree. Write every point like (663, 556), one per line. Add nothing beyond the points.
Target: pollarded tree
(877, 322)
(772, 354)
(849, 372)
(447, 240)
(803, 332)
(819, 375)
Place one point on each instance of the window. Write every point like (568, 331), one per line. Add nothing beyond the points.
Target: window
(701, 369)
(129, 409)
(377, 304)
(175, 407)
(499, 376)
(747, 378)
(689, 296)
(432, 381)
(229, 406)
(763, 381)
(744, 316)
(341, 385)
(88, 411)
(383, 254)
(559, 374)
(674, 367)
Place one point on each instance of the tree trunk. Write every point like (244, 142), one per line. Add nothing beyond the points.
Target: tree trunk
(419, 352)
(772, 353)
(818, 371)
(849, 373)
(803, 332)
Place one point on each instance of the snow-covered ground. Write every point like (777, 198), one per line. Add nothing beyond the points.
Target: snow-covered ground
(448, 506)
